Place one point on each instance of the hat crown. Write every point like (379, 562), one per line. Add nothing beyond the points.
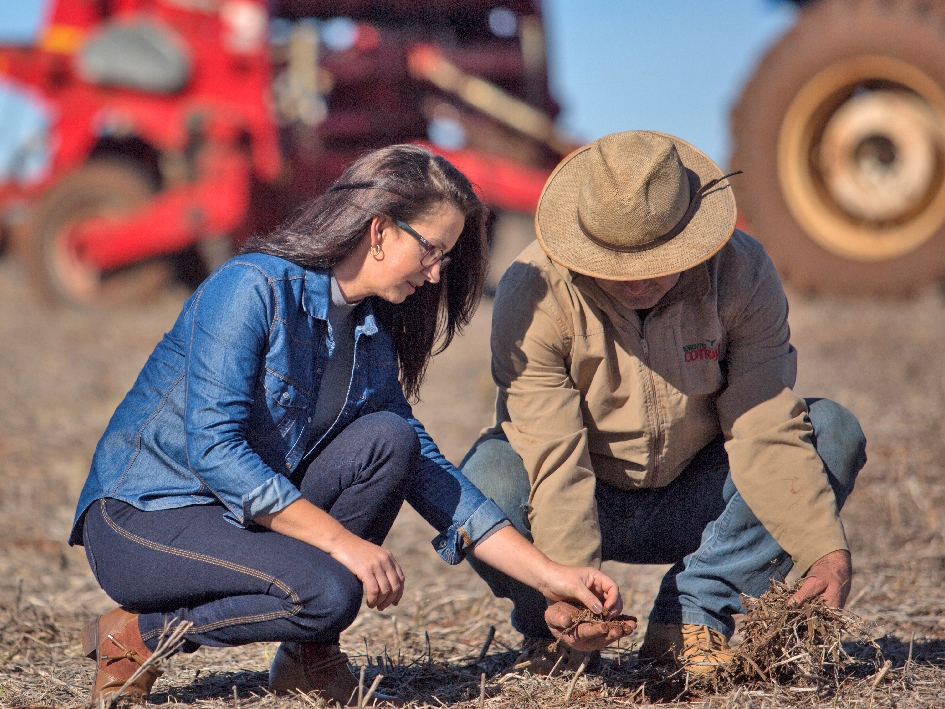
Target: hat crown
(636, 189)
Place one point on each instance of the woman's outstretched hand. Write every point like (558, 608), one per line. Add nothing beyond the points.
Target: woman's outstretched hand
(512, 554)
(589, 586)
(375, 567)
(585, 584)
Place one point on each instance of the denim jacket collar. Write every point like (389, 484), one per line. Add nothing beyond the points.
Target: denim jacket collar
(317, 293)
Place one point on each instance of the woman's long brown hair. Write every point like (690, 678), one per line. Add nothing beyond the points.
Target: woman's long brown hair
(404, 182)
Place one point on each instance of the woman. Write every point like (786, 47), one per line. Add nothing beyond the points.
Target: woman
(247, 480)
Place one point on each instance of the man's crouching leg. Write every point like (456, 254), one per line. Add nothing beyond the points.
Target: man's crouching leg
(693, 612)
(497, 470)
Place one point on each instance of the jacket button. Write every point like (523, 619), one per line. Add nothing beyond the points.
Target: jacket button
(442, 545)
(285, 395)
(288, 464)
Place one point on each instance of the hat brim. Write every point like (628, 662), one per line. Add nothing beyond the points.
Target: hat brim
(560, 234)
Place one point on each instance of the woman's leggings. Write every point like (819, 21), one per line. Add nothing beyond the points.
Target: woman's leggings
(237, 585)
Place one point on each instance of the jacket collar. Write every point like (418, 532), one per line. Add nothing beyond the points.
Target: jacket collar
(316, 292)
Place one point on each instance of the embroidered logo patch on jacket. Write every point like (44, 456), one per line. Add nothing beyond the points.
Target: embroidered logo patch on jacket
(701, 350)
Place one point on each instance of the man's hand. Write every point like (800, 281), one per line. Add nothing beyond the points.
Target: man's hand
(563, 621)
(830, 578)
(509, 552)
(587, 585)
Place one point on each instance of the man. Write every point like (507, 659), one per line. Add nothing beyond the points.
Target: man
(645, 411)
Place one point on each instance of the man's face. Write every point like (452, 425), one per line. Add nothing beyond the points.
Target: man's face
(639, 295)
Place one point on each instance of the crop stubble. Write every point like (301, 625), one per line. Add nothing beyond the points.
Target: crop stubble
(63, 372)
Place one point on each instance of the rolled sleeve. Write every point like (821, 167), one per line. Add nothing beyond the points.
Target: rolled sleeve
(455, 542)
(272, 496)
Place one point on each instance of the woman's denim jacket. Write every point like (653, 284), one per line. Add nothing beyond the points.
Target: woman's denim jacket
(222, 411)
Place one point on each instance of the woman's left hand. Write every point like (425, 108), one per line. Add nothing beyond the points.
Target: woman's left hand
(585, 584)
(509, 552)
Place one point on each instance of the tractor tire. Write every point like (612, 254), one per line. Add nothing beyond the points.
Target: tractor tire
(58, 271)
(841, 137)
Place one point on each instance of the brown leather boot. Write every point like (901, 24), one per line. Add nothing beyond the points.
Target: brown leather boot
(306, 667)
(114, 642)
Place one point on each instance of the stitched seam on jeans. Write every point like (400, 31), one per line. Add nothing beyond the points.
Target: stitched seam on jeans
(88, 550)
(297, 605)
(197, 629)
(199, 557)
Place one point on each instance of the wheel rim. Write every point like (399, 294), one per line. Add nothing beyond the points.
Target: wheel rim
(77, 277)
(861, 158)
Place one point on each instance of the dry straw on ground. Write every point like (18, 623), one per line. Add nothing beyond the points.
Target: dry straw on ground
(64, 372)
(431, 654)
(810, 648)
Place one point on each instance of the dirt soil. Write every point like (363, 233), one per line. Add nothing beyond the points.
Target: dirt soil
(62, 372)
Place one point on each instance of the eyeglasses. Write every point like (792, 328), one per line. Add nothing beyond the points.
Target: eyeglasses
(432, 255)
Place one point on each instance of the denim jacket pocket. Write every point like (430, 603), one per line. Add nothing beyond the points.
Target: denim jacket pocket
(279, 422)
(284, 399)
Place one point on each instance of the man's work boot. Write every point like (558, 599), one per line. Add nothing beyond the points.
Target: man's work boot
(323, 669)
(114, 642)
(704, 649)
(538, 656)
(697, 648)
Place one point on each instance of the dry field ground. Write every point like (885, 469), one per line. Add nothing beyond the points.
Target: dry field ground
(63, 372)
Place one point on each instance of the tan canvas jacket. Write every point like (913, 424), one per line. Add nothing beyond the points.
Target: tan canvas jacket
(587, 392)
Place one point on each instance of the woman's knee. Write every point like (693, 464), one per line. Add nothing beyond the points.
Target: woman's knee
(333, 601)
(394, 435)
(839, 441)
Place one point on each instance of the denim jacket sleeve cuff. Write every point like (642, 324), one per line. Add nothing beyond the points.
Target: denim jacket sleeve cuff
(275, 494)
(455, 542)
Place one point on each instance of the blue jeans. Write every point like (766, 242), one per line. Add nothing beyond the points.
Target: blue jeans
(699, 523)
(239, 585)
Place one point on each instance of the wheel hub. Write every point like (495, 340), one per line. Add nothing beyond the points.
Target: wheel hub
(878, 155)
(861, 158)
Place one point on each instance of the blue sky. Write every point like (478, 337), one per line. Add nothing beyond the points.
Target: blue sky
(670, 65)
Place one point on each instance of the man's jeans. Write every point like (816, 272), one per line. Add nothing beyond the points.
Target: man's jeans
(247, 585)
(699, 523)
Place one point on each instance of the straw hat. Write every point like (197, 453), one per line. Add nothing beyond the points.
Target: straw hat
(635, 205)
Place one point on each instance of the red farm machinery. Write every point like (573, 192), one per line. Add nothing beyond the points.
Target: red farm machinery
(147, 135)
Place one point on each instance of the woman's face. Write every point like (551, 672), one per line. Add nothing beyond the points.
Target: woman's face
(398, 271)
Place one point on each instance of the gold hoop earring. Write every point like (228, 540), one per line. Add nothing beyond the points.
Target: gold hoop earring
(376, 250)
